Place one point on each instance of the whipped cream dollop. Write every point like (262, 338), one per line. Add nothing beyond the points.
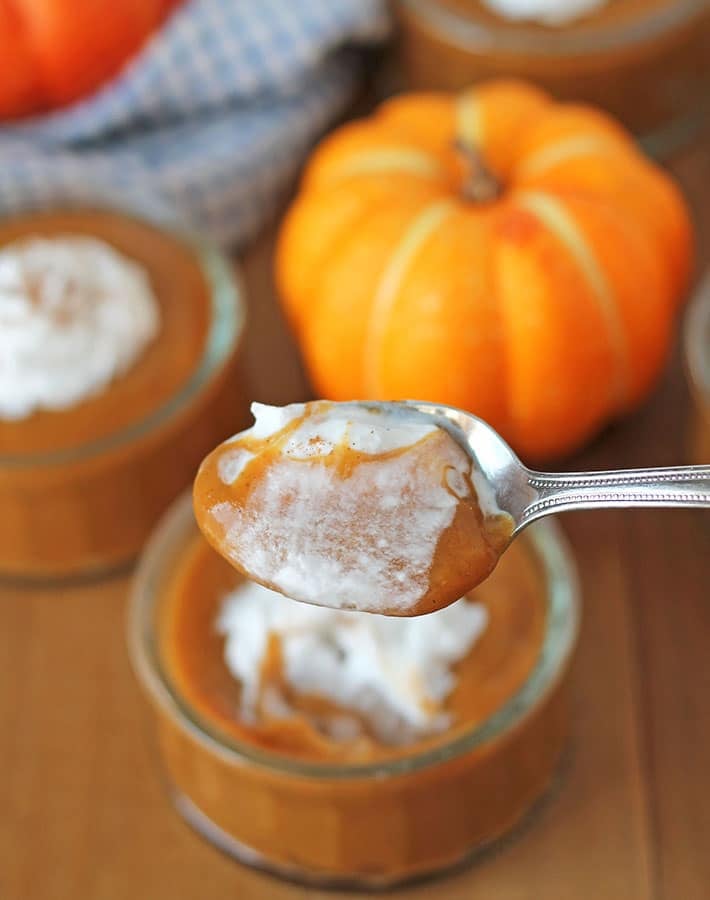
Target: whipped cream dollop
(339, 538)
(390, 675)
(74, 314)
(549, 12)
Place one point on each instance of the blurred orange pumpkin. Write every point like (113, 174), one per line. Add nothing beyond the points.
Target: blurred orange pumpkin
(54, 51)
(494, 250)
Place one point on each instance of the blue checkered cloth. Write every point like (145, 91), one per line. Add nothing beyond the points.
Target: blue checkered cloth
(212, 118)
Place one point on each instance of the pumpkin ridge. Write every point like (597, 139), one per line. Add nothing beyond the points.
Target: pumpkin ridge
(468, 120)
(541, 161)
(331, 241)
(395, 160)
(647, 321)
(419, 230)
(551, 212)
(661, 210)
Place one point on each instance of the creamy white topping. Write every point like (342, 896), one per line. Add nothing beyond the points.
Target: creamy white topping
(269, 420)
(231, 464)
(362, 429)
(393, 674)
(74, 314)
(549, 12)
(303, 533)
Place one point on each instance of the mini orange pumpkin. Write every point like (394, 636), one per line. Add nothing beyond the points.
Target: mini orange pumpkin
(494, 250)
(54, 51)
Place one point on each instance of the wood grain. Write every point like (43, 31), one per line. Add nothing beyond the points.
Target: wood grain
(83, 813)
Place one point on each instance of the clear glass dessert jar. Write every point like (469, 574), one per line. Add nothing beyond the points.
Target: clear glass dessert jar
(369, 825)
(81, 488)
(646, 61)
(696, 341)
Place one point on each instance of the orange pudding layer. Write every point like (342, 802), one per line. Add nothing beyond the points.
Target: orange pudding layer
(80, 488)
(485, 679)
(283, 795)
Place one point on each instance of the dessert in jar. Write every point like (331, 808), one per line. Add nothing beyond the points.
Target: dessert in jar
(118, 371)
(646, 61)
(332, 745)
(696, 341)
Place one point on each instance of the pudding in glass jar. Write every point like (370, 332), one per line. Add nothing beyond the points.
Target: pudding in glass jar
(341, 747)
(118, 371)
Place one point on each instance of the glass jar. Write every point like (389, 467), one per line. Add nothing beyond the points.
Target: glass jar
(646, 61)
(696, 341)
(365, 825)
(81, 489)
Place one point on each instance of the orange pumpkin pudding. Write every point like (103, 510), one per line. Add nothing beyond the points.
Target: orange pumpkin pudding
(114, 381)
(333, 503)
(346, 748)
(646, 61)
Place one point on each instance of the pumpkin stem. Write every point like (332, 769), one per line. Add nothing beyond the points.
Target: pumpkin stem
(480, 185)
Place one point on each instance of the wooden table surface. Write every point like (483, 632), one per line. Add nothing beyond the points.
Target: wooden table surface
(82, 812)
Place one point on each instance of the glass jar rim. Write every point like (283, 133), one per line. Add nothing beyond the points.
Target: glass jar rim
(548, 543)
(226, 327)
(696, 337)
(586, 39)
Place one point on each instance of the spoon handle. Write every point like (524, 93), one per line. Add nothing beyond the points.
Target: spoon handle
(677, 486)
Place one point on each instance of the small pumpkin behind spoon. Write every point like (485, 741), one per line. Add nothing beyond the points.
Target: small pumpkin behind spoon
(494, 250)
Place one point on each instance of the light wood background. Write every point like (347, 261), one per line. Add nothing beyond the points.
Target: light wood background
(82, 812)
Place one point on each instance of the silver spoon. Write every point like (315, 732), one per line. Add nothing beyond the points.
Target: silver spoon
(528, 495)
